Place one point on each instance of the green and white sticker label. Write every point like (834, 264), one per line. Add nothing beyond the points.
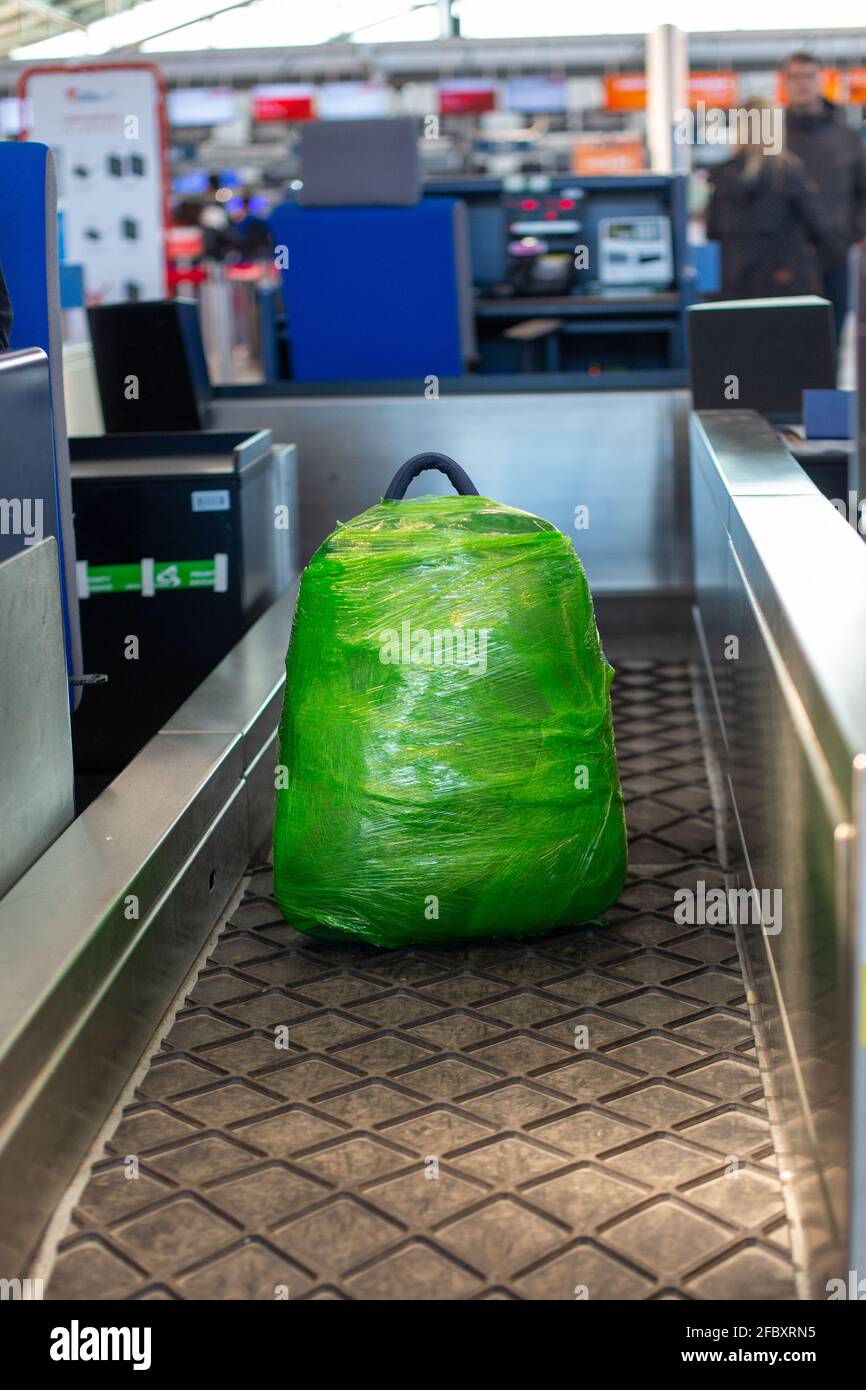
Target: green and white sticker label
(150, 577)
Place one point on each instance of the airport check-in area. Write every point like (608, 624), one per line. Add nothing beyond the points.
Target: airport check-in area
(222, 1080)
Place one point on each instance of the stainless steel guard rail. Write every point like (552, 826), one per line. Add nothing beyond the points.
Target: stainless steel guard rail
(780, 581)
(95, 937)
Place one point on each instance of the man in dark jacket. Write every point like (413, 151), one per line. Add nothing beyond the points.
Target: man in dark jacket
(5, 314)
(835, 156)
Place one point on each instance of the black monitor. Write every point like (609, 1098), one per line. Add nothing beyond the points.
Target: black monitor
(760, 354)
(150, 365)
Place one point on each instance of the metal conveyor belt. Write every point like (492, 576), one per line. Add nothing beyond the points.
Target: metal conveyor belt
(432, 1131)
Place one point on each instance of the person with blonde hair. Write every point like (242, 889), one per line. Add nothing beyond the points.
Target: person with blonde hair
(766, 214)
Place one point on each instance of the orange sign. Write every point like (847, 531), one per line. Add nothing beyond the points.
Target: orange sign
(717, 89)
(625, 91)
(608, 157)
(856, 85)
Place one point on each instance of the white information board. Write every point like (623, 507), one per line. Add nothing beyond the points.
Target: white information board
(105, 126)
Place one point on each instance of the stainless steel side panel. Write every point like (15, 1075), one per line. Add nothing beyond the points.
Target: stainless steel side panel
(780, 580)
(94, 938)
(787, 812)
(808, 567)
(621, 454)
(244, 693)
(858, 1032)
(261, 794)
(36, 796)
(54, 1122)
(65, 924)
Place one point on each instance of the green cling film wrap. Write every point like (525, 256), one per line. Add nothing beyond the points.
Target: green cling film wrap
(446, 756)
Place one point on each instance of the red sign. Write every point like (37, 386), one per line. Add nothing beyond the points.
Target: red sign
(464, 97)
(283, 102)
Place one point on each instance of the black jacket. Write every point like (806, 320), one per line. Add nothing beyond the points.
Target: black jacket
(5, 314)
(835, 156)
(772, 228)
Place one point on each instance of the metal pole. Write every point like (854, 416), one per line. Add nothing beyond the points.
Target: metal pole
(449, 25)
(667, 67)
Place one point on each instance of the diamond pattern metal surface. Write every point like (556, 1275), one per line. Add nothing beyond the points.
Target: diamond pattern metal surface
(579, 1116)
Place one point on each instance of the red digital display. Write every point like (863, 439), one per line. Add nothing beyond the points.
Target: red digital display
(282, 103)
(464, 98)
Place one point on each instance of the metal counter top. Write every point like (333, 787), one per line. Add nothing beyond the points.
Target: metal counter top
(806, 566)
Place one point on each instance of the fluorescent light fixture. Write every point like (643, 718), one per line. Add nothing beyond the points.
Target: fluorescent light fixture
(274, 24)
(126, 29)
(502, 19)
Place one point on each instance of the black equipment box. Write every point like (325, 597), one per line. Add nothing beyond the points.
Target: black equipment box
(760, 354)
(183, 541)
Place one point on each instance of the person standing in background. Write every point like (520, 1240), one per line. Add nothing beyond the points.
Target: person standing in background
(834, 154)
(254, 232)
(767, 216)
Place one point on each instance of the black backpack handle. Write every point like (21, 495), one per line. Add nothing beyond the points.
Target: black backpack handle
(418, 463)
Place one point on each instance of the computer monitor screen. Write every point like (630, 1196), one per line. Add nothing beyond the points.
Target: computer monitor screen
(194, 181)
(283, 101)
(343, 100)
(760, 354)
(194, 106)
(13, 115)
(535, 95)
(159, 344)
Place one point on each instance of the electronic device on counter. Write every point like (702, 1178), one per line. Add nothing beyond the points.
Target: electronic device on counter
(635, 251)
(175, 536)
(544, 225)
(548, 273)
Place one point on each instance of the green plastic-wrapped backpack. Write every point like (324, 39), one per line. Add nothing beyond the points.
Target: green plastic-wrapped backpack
(446, 756)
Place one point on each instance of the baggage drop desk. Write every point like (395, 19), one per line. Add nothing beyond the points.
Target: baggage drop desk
(183, 541)
(581, 1094)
